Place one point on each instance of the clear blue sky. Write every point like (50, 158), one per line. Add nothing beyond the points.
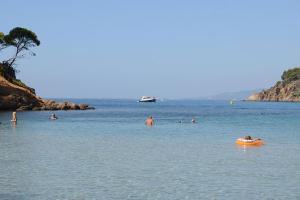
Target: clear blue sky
(169, 49)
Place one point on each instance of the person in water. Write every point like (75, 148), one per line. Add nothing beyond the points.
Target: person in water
(193, 120)
(149, 121)
(14, 117)
(53, 116)
(248, 137)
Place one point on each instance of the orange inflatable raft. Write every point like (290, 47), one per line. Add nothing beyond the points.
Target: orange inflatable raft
(251, 142)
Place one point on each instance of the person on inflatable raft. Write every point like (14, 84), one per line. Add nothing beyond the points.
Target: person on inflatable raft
(249, 141)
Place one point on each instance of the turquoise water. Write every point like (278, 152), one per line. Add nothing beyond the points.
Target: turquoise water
(109, 153)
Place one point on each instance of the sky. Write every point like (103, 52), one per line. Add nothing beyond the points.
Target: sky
(163, 48)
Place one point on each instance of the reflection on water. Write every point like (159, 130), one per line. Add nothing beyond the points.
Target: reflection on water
(109, 153)
(13, 124)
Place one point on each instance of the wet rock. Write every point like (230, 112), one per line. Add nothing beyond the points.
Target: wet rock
(83, 106)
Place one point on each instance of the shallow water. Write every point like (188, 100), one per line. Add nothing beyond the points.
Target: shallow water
(108, 153)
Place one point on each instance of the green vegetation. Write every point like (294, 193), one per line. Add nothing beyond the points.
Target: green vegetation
(18, 82)
(291, 75)
(21, 40)
(21, 84)
(296, 94)
(7, 72)
(2, 42)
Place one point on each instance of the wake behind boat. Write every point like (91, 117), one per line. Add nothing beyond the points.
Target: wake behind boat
(147, 99)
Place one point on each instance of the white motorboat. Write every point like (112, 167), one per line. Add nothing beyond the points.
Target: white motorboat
(147, 99)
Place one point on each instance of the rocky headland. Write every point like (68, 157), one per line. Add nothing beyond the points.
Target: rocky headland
(15, 95)
(288, 89)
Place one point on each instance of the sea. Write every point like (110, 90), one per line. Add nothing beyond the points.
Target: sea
(109, 154)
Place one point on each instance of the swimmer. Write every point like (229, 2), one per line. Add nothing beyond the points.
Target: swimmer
(193, 120)
(248, 137)
(14, 117)
(53, 116)
(149, 121)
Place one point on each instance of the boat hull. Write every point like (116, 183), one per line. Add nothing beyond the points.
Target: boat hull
(254, 142)
(146, 101)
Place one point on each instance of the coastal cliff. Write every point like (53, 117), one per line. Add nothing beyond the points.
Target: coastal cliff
(15, 95)
(288, 89)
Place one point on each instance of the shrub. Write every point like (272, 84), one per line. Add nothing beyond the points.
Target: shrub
(7, 72)
(18, 82)
(291, 75)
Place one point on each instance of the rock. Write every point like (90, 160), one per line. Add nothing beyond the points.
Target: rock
(253, 97)
(14, 97)
(83, 106)
(52, 105)
(49, 102)
(37, 108)
(23, 108)
(74, 106)
(286, 90)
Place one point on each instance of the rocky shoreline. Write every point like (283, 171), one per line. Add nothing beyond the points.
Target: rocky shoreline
(286, 90)
(15, 97)
(53, 105)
